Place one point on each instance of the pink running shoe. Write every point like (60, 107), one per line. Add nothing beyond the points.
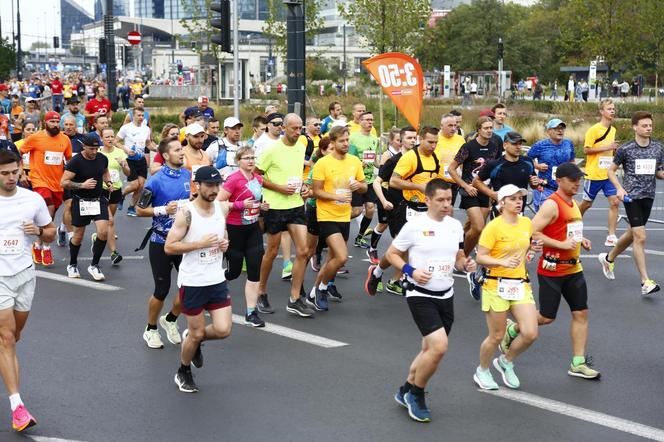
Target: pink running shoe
(22, 419)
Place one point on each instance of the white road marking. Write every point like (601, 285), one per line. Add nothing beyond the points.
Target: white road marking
(649, 251)
(77, 281)
(295, 334)
(596, 256)
(584, 414)
(51, 439)
(600, 228)
(108, 258)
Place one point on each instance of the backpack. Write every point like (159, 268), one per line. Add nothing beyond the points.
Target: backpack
(420, 167)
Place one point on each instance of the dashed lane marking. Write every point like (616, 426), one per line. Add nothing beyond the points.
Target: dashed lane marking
(295, 334)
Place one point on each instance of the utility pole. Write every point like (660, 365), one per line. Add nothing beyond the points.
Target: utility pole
(296, 46)
(172, 37)
(343, 63)
(237, 73)
(19, 55)
(500, 69)
(111, 88)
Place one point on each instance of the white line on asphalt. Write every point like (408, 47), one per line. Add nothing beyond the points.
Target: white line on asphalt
(649, 251)
(51, 439)
(595, 256)
(108, 258)
(600, 228)
(77, 281)
(580, 413)
(295, 334)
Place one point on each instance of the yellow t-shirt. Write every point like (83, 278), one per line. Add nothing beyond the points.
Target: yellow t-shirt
(336, 176)
(407, 165)
(355, 127)
(598, 163)
(182, 136)
(446, 150)
(504, 240)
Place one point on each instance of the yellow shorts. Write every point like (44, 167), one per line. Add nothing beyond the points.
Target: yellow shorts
(492, 301)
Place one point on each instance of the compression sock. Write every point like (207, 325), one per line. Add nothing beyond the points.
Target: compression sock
(170, 317)
(511, 330)
(578, 360)
(364, 225)
(375, 237)
(73, 253)
(97, 249)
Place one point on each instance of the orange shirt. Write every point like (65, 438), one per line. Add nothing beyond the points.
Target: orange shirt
(47, 155)
(569, 223)
(193, 162)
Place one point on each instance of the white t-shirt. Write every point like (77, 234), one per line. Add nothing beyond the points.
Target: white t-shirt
(135, 137)
(15, 246)
(431, 245)
(263, 142)
(231, 149)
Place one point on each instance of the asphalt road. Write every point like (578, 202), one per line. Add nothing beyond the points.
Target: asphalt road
(87, 374)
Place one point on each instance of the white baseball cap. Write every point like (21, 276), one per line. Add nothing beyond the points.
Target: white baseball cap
(194, 129)
(232, 122)
(509, 190)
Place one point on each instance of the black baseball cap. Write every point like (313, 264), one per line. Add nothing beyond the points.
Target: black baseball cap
(514, 137)
(73, 99)
(569, 170)
(207, 174)
(91, 140)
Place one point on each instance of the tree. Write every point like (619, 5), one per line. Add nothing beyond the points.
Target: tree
(651, 22)
(388, 25)
(197, 21)
(7, 58)
(275, 24)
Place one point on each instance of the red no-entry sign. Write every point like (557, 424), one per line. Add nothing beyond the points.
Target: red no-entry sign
(134, 37)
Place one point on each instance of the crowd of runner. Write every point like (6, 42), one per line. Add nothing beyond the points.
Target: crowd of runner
(221, 206)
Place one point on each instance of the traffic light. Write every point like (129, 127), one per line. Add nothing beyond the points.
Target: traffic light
(223, 38)
(500, 48)
(56, 42)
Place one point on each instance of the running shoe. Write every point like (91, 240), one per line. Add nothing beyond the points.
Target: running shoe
(184, 379)
(484, 379)
(96, 273)
(343, 270)
(380, 287)
(244, 265)
(361, 242)
(152, 338)
(417, 407)
(399, 397)
(611, 241)
(584, 371)
(287, 272)
(254, 320)
(298, 307)
(371, 283)
(131, 211)
(394, 287)
(197, 360)
(22, 419)
(507, 339)
(373, 256)
(171, 329)
(319, 300)
(47, 257)
(607, 267)
(474, 288)
(333, 294)
(506, 369)
(115, 258)
(314, 262)
(62, 237)
(368, 232)
(263, 305)
(649, 287)
(72, 271)
(36, 254)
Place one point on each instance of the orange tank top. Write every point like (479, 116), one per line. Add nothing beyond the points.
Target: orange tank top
(193, 162)
(569, 223)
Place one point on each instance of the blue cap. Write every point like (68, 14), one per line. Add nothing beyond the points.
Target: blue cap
(555, 122)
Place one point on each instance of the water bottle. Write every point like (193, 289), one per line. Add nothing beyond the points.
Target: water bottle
(627, 199)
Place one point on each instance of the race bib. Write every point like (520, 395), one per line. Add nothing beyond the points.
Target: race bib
(446, 172)
(296, 182)
(115, 175)
(341, 192)
(140, 144)
(209, 255)
(412, 213)
(575, 230)
(26, 160)
(511, 289)
(250, 215)
(645, 166)
(440, 268)
(368, 157)
(11, 244)
(605, 162)
(53, 158)
(89, 208)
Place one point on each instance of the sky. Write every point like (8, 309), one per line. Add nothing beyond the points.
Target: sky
(40, 19)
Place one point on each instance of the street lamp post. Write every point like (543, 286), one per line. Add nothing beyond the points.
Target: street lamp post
(500, 68)
(343, 64)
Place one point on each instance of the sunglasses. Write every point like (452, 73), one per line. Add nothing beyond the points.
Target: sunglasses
(316, 124)
(276, 123)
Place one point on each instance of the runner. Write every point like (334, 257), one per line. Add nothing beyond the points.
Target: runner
(258, 127)
(500, 114)
(355, 126)
(164, 193)
(139, 104)
(599, 146)
(559, 226)
(73, 111)
(84, 175)
(313, 232)
(170, 130)
(48, 149)
(335, 112)
(24, 215)
(548, 154)
(364, 146)
(335, 177)
(433, 242)
(99, 105)
(198, 234)
(135, 138)
(271, 135)
(281, 167)
(502, 249)
(642, 160)
(65, 229)
(117, 164)
(244, 189)
(201, 108)
(194, 155)
(449, 143)
(222, 153)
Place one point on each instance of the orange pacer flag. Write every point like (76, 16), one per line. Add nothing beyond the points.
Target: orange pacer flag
(401, 78)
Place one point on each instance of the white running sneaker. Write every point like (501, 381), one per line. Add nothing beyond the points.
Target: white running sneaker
(649, 287)
(72, 271)
(607, 267)
(611, 241)
(152, 338)
(96, 273)
(171, 329)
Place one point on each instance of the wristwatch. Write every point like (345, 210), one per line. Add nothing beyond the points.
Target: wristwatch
(41, 232)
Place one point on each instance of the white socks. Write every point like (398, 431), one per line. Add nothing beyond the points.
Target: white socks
(378, 272)
(15, 401)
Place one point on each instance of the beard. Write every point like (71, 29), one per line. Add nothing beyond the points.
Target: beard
(52, 131)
